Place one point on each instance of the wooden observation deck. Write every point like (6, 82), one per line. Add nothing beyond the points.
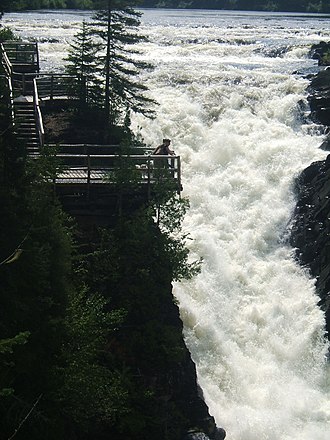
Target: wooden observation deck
(87, 170)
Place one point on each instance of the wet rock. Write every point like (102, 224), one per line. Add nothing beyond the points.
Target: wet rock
(220, 434)
(319, 98)
(196, 436)
(326, 144)
(320, 52)
(310, 233)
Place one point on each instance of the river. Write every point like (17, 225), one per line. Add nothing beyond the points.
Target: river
(232, 97)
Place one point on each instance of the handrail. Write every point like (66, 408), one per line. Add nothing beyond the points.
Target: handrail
(54, 85)
(11, 100)
(38, 115)
(117, 156)
(20, 51)
(5, 61)
(84, 170)
(90, 148)
(20, 43)
(85, 145)
(9, 97)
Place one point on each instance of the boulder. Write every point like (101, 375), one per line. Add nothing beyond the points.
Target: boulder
(321, 52)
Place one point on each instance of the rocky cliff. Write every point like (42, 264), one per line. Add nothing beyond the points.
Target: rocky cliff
(311, 227)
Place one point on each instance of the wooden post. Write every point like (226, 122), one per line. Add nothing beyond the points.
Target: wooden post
(51, 87)
(179, 175)
(23, 84)
(88, 175)
(172, 167)
(37, 51)
(149, 178)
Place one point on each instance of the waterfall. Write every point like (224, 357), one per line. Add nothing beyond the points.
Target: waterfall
(232, 93)
(235, 112)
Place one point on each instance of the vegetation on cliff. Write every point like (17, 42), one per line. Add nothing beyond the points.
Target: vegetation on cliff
(104, 59)
(90, 338)
(89, 334)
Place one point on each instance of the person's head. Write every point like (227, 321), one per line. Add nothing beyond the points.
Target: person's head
(166, 141)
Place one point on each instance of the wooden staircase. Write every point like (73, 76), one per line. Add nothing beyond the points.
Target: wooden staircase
(21, 64)
(88, 170)
(25, 125)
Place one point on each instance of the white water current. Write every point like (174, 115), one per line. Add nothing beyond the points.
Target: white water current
(234, 109)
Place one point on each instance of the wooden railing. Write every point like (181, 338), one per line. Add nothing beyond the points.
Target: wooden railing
(38, 115)
(84, 166)
(11, 100)
(54, 85)
(50, 85)
(91, 169)
(5, 61)
(22, 53)
(99, 149)
(9, 97)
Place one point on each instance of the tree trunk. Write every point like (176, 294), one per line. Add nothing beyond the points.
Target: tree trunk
(107, 104)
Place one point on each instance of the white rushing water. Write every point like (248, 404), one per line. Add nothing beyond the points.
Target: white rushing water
(232, 106)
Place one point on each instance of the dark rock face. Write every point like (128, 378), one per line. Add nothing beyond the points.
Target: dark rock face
(150, 344)
(196, 435)
(319, 98)
(311, 227)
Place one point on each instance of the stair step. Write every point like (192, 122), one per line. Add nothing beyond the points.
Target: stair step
(26, 128)
(24, 113)
(27, 138)
(23, 105)
(27, 134)
(20, 121)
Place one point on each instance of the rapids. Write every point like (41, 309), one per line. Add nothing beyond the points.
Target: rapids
(232, 97)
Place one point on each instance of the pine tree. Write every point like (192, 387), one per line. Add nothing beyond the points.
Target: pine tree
(83, 65)
(116, 24)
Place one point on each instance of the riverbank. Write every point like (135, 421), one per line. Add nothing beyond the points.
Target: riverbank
(238, 5)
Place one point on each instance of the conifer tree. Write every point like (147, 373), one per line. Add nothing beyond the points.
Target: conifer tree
(116, 24)
(83, 65)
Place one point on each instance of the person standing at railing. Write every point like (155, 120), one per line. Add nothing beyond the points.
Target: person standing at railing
(163, 150)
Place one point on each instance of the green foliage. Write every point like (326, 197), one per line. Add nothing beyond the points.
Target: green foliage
(105, 66)
(133, 265)
(83, 65)
(6, 34)
(171, 214)
(33, 286)
(116, 26)
(170, 210)
(96, 334)
(87, 326)
(7, 347)
(325, 60)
